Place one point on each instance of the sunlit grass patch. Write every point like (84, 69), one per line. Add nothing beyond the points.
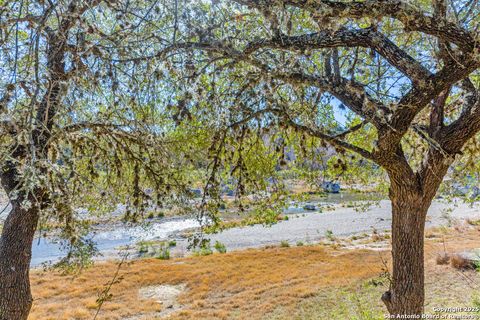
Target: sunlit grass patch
(250, 283)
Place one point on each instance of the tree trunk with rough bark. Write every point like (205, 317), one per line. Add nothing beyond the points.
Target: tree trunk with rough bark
(410, 199)
(20, 226)
(406, 295)
(15, 255)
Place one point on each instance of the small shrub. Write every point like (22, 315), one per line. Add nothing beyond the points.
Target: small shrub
(164, 253)
(473, 222)
(150, 216)
(143, 247)
(161, 215)
(329, 235)
(203, 250)
(299, 243)
(459, 262)
(284, 244)
(172, 243)
(220, 247)
(442, 258)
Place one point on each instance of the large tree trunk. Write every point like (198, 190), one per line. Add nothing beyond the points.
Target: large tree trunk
(19, 229)
(15, 255)
(409, 208)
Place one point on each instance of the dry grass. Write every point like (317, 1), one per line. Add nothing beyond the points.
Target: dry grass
(459, 262)
(442, 258)
(250, 284)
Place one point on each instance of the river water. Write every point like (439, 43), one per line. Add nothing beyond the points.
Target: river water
(47, 250)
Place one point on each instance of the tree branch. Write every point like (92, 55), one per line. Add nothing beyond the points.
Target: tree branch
(332, 139)
(351, 130)
(419, 97)
(366, 38)
(412, 18)
(352, 94)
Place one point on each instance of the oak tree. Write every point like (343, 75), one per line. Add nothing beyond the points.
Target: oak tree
(404, 68)
(82, 127)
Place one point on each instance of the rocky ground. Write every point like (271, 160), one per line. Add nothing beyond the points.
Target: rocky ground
(340, 220)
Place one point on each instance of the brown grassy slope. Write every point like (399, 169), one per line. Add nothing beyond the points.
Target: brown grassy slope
(248, 284)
